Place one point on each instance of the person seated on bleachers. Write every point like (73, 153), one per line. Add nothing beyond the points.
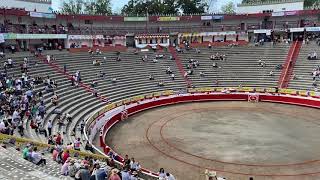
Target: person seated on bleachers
(55, 99)
(37, 158)
(10, 63)
(212, 57)
(168, 70)
(190, 72)
(77, 143)
(136, 52)
(68, 117)
(314, 83)
(159, 56)
(160, 83)
(215, 65)
(90, 51)
(279, 66)
(114, 80)
(102, 74)
(179, 50)
(171, 58)
(98, 51)
(262, 63)
(195, 64)
(295, 77)
(96, 62)
(271, 73)
(198, 51)
(154, 60)
(314, 75)
(312, 56)
(93, 84)
(118, 58)
(201, 74)
(172, 76)
(48, 58)
(185, 74)
(209, 46)
(89, 147)
(151, 77)
(2, 55)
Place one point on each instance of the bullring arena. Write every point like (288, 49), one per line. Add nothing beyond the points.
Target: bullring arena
(234, 137)
(231, 137)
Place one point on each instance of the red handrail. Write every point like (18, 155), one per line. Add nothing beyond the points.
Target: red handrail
(288, 64)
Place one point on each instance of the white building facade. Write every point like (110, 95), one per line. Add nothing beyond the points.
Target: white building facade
(272, 6)
(28, 5)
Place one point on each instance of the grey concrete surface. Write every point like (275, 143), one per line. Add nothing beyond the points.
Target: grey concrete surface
(187, 138)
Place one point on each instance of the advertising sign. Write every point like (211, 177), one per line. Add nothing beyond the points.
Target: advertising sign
(168, 19)
(135, 19)
(42, 15)
(206, 18)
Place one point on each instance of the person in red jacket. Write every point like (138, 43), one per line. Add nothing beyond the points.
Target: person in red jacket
(65, 156)
(59, 139)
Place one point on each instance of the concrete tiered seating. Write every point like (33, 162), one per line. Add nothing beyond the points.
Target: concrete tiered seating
(132, 75)
(304, 68)
(13, 166)
(241, 65)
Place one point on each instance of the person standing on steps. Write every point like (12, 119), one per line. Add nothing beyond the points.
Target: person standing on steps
(64, 68)
(49, 127)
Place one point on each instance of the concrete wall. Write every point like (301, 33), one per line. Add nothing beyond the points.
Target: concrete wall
(294, 6)
(28, 5)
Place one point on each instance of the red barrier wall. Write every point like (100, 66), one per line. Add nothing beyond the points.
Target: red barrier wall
(275, 98)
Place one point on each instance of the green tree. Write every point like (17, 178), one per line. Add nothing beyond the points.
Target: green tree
(228, 8)
(101, 7)
(193, 6)
(73, 6)
(92, 7)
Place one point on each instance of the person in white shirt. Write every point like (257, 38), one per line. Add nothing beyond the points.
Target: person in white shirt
(10, 62)
(49, 127)
(172, 76)
(271, 73)
(134, 166)
(169, 176)
(2, 126)
(48, 58)
(37, 158)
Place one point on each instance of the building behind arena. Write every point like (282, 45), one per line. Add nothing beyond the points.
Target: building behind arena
(43, 6)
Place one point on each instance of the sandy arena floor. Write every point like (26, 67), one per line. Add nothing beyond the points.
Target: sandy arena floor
(238, 139)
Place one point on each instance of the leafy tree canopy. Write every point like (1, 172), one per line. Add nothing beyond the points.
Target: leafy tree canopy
(142, 7)
(92, 7)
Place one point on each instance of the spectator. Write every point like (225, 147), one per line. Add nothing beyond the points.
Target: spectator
(114, 175)
(162, 174)
(169, 176)
(271, 73)
(125, 175)
(83, 173)
(134, 166)
(172, 76)
(77, 144)
(65, 167)
(65, 156)
(49, 127)
(72, 169)
(37, 158)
